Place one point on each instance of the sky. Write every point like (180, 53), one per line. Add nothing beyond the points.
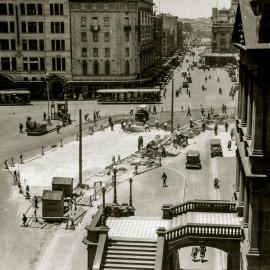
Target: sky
(190, 8)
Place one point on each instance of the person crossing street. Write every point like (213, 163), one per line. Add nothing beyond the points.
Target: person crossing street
(164, 179)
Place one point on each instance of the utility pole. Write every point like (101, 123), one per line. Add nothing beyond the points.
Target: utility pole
(172, 105)
(80, 147)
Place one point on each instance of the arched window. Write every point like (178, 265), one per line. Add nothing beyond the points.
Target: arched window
(127, 68)
(107, 67)
(84, 68)
(96, 68)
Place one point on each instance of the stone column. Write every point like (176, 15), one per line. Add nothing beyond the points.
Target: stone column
(237, 178)
(241, 195)
(249, 107)
(257, 121)
(240, 91)
(253, 223)
(244, 99)
(246, 207)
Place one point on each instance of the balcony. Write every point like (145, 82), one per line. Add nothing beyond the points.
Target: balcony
(127, 28)
(95, 28)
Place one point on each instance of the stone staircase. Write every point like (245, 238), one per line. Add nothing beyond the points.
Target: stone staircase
(130, 254)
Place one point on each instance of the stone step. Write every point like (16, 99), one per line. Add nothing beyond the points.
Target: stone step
(132, 243)
(110, 266)
(129, 256)
(128, 262)
(134, 248)
(129, 252)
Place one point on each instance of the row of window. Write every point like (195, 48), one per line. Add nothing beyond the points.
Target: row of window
(34, 63)
(107, 52)
(31, 9)
(6, 9)
(57, 27)
(33, 45)
(6, 45)
(32, 27)
(6, 27)
(107, 68)
(106, 21)
(95, 37)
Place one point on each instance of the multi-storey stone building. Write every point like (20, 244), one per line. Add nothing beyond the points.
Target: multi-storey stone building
(252, 36)
(79, 45)
(35, 41)
(222, 26)
(170, 30)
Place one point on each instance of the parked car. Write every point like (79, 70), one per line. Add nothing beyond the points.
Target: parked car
(185, 84)
(193, 159)
(215, 148)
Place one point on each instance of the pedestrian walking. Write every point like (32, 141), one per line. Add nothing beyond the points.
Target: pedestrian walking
(21, 128)
(24, 220)
(164, 179)
(165, 126)
(232, 134)
(226, 126)
(44, 116)
(190, 123)
(189, 94)
(202, 111)
(131, 111)
(188, 111)
(140, 142)
(229, 145)
(111, 124)
(205, 79)
(157, 124)
(154, 110)
(218, 80)
(27, 192)
(163, 151)
(136, 169)
(225, 109)
(216, 128)
(203, 126)
(36, 201)
(58, 128)
(110, 120)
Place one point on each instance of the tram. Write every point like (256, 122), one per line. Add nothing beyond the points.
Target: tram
(125, 96)
(19, 96)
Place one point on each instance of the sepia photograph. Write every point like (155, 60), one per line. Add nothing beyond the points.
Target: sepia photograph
(135, 134)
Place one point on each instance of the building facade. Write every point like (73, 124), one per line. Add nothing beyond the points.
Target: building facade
(35, 43)
(170, 30)
(251, 36)
(222, 26)
(78, 46)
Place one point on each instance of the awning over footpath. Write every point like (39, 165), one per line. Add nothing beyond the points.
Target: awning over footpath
(14, 92)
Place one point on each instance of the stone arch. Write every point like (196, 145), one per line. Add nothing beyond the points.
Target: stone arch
(57, 86)
(230, 246)
(96, 68)
(107, 67)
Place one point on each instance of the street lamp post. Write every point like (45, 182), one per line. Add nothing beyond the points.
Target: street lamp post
(103, 217)
(131, 209)
(114, 186)
(172, 105)
(48, 97)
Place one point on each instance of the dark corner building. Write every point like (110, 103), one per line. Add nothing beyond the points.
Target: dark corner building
(251, 35)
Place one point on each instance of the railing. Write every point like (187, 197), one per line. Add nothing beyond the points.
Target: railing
(200, 206)
(205, 230)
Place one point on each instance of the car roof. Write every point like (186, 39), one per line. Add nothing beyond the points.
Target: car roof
(194, 153)
(215, 141)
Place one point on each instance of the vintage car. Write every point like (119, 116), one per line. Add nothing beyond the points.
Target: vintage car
(193, 159)
(184, 74)
(142, 113)
(185, 84)
(215, 148)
